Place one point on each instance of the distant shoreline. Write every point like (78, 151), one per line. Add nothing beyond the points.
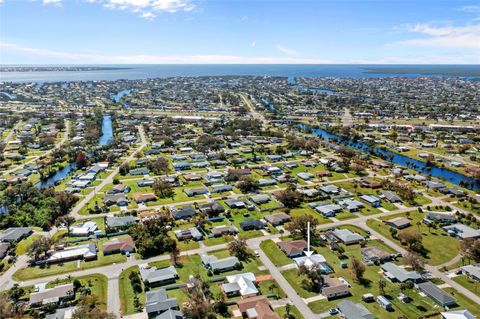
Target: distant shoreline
(58, 68)
(425, 70)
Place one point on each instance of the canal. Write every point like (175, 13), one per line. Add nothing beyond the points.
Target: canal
(105, 138)
(399, 159)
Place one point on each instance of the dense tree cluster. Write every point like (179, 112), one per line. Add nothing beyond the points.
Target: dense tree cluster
(151, 237)
(28, 205)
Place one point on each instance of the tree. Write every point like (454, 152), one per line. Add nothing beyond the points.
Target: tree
(89, 308)
(174, 254)
(289, 198)
(358, 268)
(470, 249)
(159, 165)
(314, 275)
(163, 189)
(199, 296)
(298, 226)
(66, 221)
(288, 309)
(81, 160)
(381, 286)
(238, 248)
(414, 260)
(412, 240)
(39, 247)
(247, 184)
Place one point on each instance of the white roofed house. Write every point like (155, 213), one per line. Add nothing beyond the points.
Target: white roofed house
(241, 284)
(156, 277)
(84, 229)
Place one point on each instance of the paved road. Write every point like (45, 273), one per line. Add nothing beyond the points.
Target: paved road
(109, 179)
(12, 132)
(35, 158)
(113, 299)
(347, 119)
(282, 282)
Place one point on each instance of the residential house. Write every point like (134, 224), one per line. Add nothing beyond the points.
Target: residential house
(347, 237)
(349, 310)
(120, 222)
(316, 260)
(371, 200)
(139, 171)
(374, 254)
(236, 203)
(438, 295)
(334, 288)
(256, 307)
(398, 222)
(221, 188)
(85, 229)
(184, 212)
(472, 271)
(85, 252)
(328, 210)
(260, 199)
(212, 208)
(462, 231)
(119, 199)
(195, 191)
(156, 277)
(143, 198)
(53, 295)
(293, 248)
(218, 231)
(240, 285)
(220, 265)
(252, 224)
(277, 219)
(457, 314)
(122, 245)
(391, 196)
(4, 249)
(398, 274)
(187, 234)
(157, 302)
(443, 217)
(15, 234)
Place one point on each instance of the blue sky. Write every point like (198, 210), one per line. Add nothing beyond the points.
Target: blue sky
(238, 31)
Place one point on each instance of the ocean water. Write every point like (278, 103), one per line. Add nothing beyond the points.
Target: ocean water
(133, 72)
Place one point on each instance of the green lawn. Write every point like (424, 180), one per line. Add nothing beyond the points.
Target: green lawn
(469, 283)
(276, 256)
(440, 247)
(293, 312)
(126, 292)
(24, 244)
(304, 210)
(417, 308)
(97, 283)
(71, 266)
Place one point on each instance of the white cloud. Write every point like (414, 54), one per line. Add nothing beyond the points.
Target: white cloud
(254, 44)
(148, 15)
(82, 58)
(148, 7)
(466, 37)
(52, 2)
(285, 50)
(470, 9)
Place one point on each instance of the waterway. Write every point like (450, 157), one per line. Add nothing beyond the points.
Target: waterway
(107, 136)
(118, 97)
(107, 131)
(399, 159)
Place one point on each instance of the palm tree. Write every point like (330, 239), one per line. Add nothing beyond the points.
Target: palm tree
(381, 286)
